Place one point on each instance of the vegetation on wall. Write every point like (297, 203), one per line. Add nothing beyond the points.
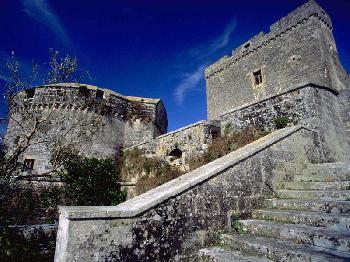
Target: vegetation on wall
(281, 122)
(154, 171)
(88, 181)
(225, 144)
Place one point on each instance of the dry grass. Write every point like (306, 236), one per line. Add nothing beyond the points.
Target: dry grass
(153, 172)
(226, 144)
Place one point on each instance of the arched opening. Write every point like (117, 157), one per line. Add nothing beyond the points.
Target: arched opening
(176, 153)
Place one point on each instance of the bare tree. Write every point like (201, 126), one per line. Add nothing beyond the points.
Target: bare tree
(33, 128)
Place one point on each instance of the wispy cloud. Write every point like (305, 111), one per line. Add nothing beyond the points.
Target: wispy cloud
(3, 77)
(206, 49)
(189, 82)
(200, 57)
(41, 11)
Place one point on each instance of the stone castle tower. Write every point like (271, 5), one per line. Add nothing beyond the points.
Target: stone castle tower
(299, 50)
(292, 72)
(97, 122)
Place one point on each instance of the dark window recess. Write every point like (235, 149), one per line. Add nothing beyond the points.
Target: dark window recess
(176, 153)
(84, 91)
(216, 134)
(247, 45)
(30, 93)
(28, 164)
(16, 140)
(257, 77)
(99, 94)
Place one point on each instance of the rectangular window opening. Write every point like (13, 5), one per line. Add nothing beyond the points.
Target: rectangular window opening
(28, 163)
(247, 45)
(99, 94)
(257, 77)
(30, 93)
(84, 91)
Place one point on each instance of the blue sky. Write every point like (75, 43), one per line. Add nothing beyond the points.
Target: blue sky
(149, 48)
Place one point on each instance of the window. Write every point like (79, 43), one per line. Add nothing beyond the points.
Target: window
(84, 91)
(99, 94)
(176, 153)
(257, 77)
(30, 93)
(247, 45)
(28, 164)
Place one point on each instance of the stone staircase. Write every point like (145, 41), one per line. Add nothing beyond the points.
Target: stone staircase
(308, 221)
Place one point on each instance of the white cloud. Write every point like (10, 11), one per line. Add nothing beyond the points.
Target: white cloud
(224, 38)
(199, 54)
(41, 11)
(188, 82)
(209, 47)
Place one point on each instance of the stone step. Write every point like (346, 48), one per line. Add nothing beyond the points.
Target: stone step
(317, 219)
(322, 177)
(326, 172)
(336, 185)
(281, 250)
(334, 166)
(219, 254)
(327, 206)
(301, 234)
(314, 194)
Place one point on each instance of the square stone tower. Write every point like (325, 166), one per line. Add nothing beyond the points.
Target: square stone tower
(299, 50)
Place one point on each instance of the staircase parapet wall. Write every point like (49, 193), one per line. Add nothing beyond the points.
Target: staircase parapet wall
(172, 220)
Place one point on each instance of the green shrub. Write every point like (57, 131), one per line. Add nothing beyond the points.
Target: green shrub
(91, 181)
(236, 224)
(281, 122)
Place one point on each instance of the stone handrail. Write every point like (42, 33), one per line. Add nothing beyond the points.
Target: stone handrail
(83, 231)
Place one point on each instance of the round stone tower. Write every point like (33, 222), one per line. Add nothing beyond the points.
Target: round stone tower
(96, 122)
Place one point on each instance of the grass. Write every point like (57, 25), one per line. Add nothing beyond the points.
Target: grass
(154, 171)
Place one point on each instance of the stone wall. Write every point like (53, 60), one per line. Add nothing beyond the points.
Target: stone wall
(183, 143)
(310, 105)
(299, 49)
(41, 238)
(171, 221)
(95, 121)
(344, 104)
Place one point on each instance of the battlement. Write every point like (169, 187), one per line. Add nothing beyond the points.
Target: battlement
(294, 19)
(299, 49)
(77, 96)
(95, 121)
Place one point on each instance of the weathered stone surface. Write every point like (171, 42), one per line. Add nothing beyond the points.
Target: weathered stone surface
(336, 221)
(344, 98)
(216, 254)
(313, 194)
(302, 80)
(316, 236)
(180, 145)
(185, 213)
(328, 206)
(310, 105)
(74, 115)
(281, 250)
(337, 185)
(40, 237)
(299, 49)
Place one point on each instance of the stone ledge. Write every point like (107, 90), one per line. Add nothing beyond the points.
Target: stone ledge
(300, 86)
(146, 201)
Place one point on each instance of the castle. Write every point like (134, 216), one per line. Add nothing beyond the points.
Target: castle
(97, 122)
(296, 58)
(287, 193)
